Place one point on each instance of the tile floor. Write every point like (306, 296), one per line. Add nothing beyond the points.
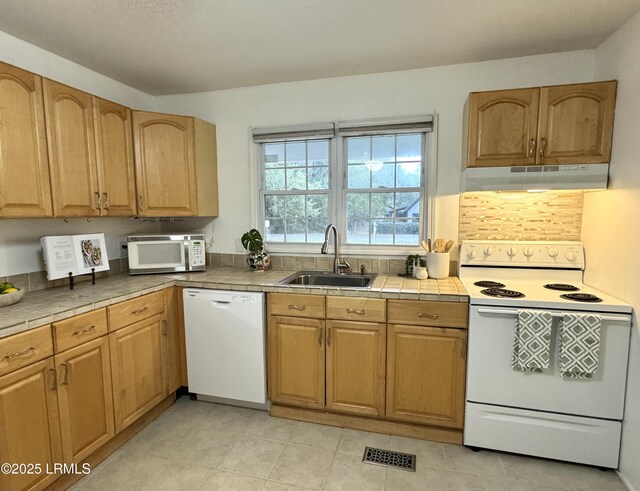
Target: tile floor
(199, 445)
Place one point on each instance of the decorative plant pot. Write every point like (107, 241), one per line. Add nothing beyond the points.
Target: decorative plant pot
(259, 261)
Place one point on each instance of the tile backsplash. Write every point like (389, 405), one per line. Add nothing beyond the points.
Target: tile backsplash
(551, 215)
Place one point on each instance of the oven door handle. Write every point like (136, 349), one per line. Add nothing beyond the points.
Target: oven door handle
(613, 318)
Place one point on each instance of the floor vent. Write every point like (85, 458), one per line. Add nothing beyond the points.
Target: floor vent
(388, 458)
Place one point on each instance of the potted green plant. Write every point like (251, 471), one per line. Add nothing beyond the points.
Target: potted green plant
(257, 258)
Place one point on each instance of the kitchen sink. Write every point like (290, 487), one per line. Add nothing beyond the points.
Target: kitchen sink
(319, 278)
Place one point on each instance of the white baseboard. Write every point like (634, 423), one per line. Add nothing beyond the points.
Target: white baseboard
(625, 481)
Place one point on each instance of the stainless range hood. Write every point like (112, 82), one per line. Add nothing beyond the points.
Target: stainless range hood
(535, 177)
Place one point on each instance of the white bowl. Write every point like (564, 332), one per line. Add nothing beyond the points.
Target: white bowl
(11, 298)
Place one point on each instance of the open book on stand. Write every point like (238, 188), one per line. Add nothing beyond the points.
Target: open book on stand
(75, 254)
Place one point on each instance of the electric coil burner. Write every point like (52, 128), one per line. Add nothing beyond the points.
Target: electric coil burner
(561, 287)
(502, 293)
(581, 297)
(489, 284)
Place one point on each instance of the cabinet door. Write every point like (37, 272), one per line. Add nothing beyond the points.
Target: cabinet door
(576, 123)
(502, 127)
(172, 332)
(85, 398)
(114, 156)
(165, 164)
(356, 354)
(72, 153)
(29, 425)
(25, 190)
(138, 369)
(426, 375)
(296, 361)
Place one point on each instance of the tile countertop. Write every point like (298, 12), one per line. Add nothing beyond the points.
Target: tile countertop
(44, 306)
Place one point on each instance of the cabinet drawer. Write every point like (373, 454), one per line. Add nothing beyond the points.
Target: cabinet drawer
(423, 313)
(25, 348)
(294, 305)
(79, 329)
(357, 309)
(126, 313)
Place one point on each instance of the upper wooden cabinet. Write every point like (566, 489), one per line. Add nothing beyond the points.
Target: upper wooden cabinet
(176, 165)
(114, 156)
(72, 153)
(548, 125)
(25, 190)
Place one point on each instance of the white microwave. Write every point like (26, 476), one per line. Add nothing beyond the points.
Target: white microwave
(166, 253)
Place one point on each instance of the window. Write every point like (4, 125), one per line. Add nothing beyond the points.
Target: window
(384, 194)
(296, 191)
(368, 179)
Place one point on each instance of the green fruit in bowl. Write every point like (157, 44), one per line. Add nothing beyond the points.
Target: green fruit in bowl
(5, 286)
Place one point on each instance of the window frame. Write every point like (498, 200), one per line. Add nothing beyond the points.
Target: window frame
(337, 195)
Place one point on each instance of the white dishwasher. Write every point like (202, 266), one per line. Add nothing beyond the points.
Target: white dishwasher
(225, 336)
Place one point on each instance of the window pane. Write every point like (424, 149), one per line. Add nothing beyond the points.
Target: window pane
(296, 179)
(409, 174)
(358, 231)
(383, 148)
(358, 149)
(408, 204)
(409, 147)
(318, 205)
(358, 205)
(407, 231)
(358, 176)
(296, 154)
(383, 178)
(382, 232)
(296, 230)
(294, 206)
(274, 179)
(274, 229)
(274, 155)
(318, 177)
(274, 206)
(318, 152)
(315, 229)
(381, 205)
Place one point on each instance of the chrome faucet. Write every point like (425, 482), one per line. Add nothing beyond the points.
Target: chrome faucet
(339, 265)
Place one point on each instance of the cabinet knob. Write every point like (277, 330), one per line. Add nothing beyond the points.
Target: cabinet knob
(422, 315)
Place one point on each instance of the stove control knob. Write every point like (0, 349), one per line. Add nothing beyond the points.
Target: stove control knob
(471, 254)
(528, 252)
(488, 250)
(511, 252)
(571, 256)
(552, 251)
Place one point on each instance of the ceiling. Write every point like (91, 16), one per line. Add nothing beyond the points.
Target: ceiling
(180, 46)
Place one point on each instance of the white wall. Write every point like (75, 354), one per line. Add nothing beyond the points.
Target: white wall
(442, 90)
(610, 229)
(19, 239)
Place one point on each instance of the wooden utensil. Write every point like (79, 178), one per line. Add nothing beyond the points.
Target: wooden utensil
(425, 246)
(429, 245)
(438, 245)
(448, 246)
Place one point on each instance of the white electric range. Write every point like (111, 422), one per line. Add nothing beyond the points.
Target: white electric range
(540, 414)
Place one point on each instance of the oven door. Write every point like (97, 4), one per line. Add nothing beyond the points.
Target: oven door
(491, 380)
(155, 256)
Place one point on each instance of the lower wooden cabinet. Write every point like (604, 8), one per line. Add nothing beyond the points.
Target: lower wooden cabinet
(138, 363)
(29, 425)
(426, 374)
(173, 331)
(356, 367)
(85, 398)
(296, 361)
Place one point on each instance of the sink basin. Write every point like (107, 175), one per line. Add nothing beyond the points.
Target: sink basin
(319, 278)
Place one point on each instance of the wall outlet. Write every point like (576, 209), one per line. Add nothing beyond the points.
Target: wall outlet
(124, 249)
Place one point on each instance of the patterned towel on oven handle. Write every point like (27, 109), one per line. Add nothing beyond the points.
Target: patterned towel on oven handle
(579, 345)
(532, 341)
